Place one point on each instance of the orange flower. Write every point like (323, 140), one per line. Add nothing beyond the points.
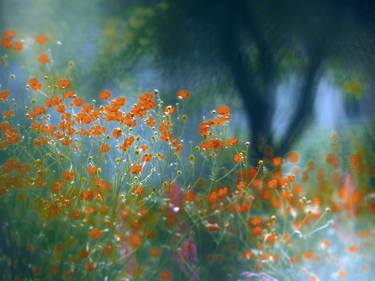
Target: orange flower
(4, 126)
(91, 170)
(363, 234)
(135, 240)
(78, 102)
(116, 133)
(325, 244)
(104, 95)
(244, 207)
(9, 34)
(144, 147)
(84, 254)
(40, 141)
(238, 158)
(120, 101)
(63, 83)
(69, 175)
(90, 266)
(69, 95)
(232, 141)
(86, 195)
(266, 195)
(104, 148)
(4, 95)
(277, 161)
(223, 110)
(43, 58)
(57, 186)
(223, 191)
(272, 183)
(293, 157)
(204, 128)
(147, 101)
(165, 275)
(138, 190)
(154, 252)
(309, 255)
(39, 110)
(11, 135)
(257, 230)
(248, 254)
(8, 114)
(41, 39)
(353, 249)
(18, 46)
(127, 143)
(6, 43)
(95, 233)
(66, 141)
(53, 101)
(271, 239)
(147, 157)
(60, 108)
(35, 84)
(211, 144)
(183, 94)
(89, 209)
(39, 182)
(150, 122)
(103, 185)
(255, 221)
(241, 185)
(136, 168)
(169, 110)
(212, 197)
(190, 196)
(341, 274)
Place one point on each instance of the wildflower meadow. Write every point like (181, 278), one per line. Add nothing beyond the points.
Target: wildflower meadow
(113, 186)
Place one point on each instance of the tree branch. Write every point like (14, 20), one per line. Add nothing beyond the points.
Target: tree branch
(256, 104)
(267, 59)
(304, 110)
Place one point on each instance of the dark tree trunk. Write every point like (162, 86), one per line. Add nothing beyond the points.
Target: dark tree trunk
(258, 97)
(258, 106)
(303, 112)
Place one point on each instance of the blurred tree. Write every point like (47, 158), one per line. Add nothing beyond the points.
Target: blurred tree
(245, 47)
(254, 45)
